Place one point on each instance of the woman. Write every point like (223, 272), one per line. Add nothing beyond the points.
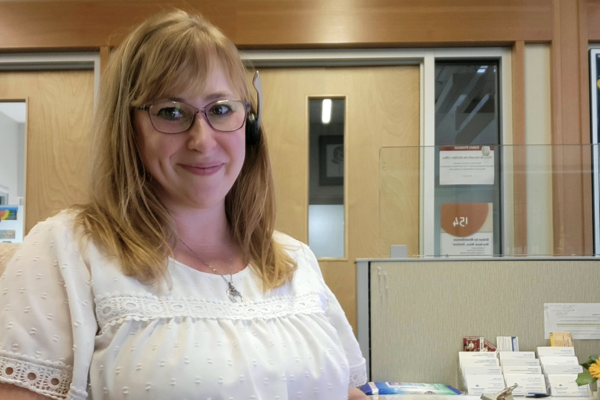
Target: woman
(171, 283)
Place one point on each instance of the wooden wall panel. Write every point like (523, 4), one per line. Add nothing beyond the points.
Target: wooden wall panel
(571, 182)
(286, 125)
(59, 117)
(42, 24)
(593, 20)
(518, 149)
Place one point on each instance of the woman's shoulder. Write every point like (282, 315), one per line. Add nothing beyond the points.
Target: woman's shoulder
(292, 246)
(63, 220)
(299, 252)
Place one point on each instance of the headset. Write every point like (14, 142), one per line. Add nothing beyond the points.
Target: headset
(253, 131)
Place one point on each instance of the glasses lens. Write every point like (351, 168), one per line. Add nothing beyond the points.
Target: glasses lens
(226, 115)
(171, 116)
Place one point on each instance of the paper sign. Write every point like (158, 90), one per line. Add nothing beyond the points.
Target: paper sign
(467, 165)
(581, 319)
(467, 229)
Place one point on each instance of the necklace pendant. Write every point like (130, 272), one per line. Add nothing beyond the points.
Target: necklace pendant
(234, 295)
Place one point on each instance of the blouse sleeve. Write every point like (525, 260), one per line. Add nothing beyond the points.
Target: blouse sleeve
(47, 320)
(337, 317)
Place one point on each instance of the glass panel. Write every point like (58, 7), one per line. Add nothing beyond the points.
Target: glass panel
(533, 177)
(326, 177)
(12, 170)
(467, 122)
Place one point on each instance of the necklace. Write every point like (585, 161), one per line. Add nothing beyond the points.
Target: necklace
(234, 295)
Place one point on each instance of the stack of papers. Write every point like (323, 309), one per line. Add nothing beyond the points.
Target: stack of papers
(480, 372)
(522, 368)
(561, 367)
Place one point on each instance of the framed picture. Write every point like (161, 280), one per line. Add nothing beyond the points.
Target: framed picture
(331, 160)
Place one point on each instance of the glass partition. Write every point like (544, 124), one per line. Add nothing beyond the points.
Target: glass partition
(12, 170)
(487, 201)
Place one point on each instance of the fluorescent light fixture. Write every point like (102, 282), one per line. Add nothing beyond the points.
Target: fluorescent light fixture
(482, 69)
(326, 111)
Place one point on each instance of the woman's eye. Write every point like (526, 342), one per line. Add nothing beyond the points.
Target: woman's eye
(220, 110)
(170, 113)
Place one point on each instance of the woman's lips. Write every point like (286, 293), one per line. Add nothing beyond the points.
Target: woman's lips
(203, 170)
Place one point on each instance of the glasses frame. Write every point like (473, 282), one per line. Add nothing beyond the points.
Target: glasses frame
(197, 111)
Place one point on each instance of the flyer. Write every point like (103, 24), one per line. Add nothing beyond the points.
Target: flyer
(467, 229)
(467, 165)
(582, 320)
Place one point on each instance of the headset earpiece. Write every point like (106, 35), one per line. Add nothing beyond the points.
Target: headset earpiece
(253, 131)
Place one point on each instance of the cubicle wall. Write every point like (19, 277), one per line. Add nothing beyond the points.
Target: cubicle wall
(413, 314)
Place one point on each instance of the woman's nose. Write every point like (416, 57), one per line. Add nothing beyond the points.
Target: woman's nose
(201, 134)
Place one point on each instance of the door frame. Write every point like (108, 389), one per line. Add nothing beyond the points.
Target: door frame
(53, 61)
(50, 62)
(425, 59)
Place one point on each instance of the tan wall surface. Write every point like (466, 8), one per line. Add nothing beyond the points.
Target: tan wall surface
(417, 325)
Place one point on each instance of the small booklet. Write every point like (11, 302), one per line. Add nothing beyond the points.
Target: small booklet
(408, 388)
(561, 339)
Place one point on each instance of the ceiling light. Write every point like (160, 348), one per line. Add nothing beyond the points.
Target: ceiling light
(326, 111)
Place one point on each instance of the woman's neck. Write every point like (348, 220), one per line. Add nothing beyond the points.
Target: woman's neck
(202, 227)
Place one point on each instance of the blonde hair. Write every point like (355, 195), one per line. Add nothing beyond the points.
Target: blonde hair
(170, 52)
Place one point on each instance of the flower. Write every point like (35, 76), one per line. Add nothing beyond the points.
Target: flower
(591, 371)
(595, 369)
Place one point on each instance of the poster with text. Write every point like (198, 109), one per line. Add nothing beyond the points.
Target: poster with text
(467, 165)
(467, 229)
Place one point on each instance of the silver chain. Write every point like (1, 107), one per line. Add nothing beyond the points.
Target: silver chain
(232, 292)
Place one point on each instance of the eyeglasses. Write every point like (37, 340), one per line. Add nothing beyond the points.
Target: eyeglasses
(177, 117)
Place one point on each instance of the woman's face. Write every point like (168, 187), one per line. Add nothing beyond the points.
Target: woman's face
(198, 167)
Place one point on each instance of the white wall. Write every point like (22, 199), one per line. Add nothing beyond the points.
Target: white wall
(9, 155)
(21, 161)
(538, 136)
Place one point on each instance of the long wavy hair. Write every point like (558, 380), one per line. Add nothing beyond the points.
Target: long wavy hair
(170, 52)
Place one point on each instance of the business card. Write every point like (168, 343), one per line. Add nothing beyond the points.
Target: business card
(479, 384)
(482, 370)
(507, 370)
(516, 354)
(526, 383)
(479, 362)
(475, 354)
(523, 362)
(566, 386)
(555, 352)
(559, 361)
(561, 369)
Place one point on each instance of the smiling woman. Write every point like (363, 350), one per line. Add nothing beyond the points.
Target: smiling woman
(171, 282)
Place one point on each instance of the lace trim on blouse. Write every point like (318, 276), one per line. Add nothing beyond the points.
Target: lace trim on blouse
(52, 379)
(358, 375)
(115, 308)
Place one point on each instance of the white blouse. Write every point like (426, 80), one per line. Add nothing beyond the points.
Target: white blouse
(73, 326)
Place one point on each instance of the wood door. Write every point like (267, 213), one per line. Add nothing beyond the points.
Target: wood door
(382, 109)
(59, 118)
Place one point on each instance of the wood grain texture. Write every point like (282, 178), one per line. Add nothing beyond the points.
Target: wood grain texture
(593, 20)
(396, 123)
(518, 148)
(572, 211)
(104, 56)
(418, 323)
(77, 24)
(59, 115)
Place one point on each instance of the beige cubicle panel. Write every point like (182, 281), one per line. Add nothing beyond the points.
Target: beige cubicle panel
(419, 310)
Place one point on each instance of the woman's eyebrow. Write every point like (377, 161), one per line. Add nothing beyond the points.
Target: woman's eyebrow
(218, 95)
(209, 98)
